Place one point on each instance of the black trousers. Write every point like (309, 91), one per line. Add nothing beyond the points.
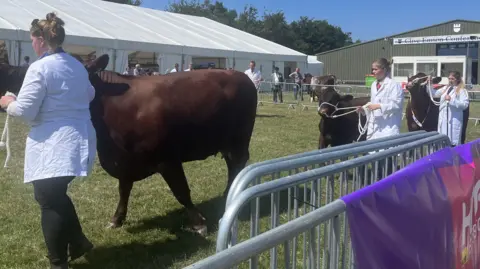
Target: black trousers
(60, 224)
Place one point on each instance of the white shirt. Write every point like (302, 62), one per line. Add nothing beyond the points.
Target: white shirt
(450, 123)
(173, 70)
(255, 76)
(54, 100)
(387, 120)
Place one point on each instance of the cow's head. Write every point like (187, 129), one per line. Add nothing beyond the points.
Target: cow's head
(324, 89)
(11, 78)
(419, 82)
(307, 78)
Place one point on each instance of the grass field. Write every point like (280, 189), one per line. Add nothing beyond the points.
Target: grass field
(153, 236)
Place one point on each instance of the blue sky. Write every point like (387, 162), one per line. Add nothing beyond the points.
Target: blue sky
(364, 21)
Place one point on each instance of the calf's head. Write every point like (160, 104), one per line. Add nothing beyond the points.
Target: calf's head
(418, 83)
(324, 89)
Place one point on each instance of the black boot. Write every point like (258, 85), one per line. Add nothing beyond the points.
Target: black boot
(79, 248)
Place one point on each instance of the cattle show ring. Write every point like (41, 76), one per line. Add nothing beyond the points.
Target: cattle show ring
(219, 169)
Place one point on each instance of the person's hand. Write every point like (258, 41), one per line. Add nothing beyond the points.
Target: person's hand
(447, 97)
(5, 101)
(359, 109)
(373, 106)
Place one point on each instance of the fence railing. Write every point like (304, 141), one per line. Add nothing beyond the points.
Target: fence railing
(290, 166)
(295, 163)
(302, 234)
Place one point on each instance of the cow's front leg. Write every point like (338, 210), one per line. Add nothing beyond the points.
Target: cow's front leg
(124, 188)
(175, 177)
(321, 142)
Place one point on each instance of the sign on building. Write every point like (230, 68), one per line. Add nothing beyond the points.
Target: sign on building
(436, 39)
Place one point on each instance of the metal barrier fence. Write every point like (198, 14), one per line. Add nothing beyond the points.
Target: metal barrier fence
(332, 249)
(271, 170)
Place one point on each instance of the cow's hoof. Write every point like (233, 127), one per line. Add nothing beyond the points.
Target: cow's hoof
(113, 225)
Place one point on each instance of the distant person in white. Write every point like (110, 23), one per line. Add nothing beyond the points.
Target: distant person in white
(136, 70)
(54, 100)
(175, 68)
(189, 68)
(26, 61)
(454, 99)
(254, 74)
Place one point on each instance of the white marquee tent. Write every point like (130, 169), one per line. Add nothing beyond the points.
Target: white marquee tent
(119, 30)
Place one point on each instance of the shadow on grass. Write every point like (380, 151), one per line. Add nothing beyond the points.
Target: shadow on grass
(163, 253)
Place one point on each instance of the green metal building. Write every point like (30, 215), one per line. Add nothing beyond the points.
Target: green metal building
(458, 37)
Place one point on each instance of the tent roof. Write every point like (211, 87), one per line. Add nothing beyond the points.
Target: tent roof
(312, 59)
(103, 24)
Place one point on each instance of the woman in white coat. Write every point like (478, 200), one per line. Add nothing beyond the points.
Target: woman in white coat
(453, 101)
(54, 100)
(384, 113)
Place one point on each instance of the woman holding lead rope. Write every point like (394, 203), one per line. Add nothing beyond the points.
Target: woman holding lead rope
(54, 100)
(453, 101)
(384, 112)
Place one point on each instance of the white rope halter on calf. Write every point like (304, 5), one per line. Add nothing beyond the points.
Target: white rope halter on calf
(5, 140)
(361, 129)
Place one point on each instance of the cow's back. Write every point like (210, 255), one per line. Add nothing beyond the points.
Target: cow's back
(183, 116)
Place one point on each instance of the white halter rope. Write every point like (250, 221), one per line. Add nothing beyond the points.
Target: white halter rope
(431, 98)
(428, 89)
(361, 129)
(5, 140)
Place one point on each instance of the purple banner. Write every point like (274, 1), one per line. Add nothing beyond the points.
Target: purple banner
(416, 217)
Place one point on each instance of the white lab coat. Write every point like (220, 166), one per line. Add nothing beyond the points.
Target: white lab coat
(255, 76)
(387, 120)
(54, 100)
(451, 126)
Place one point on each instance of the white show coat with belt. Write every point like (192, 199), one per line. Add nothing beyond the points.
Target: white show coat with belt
(451, 126)
(54, 100)
(387, 120)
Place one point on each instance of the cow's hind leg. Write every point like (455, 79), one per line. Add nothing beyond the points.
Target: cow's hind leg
(124, 189)
(175, 177)
(236, 161)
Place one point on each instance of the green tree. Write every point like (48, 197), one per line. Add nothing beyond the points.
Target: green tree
(305, 35)
(248, 20)
(217, 11)
(128, 2)
(274, 27)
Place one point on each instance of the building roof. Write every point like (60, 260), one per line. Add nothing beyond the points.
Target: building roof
(108, 25)
(392, 36)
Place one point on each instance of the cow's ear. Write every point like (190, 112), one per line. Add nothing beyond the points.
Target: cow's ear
(347, 97)
(99, 64)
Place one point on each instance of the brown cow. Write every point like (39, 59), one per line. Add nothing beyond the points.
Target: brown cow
(342, 130)
(420, 111)
(152, 124)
